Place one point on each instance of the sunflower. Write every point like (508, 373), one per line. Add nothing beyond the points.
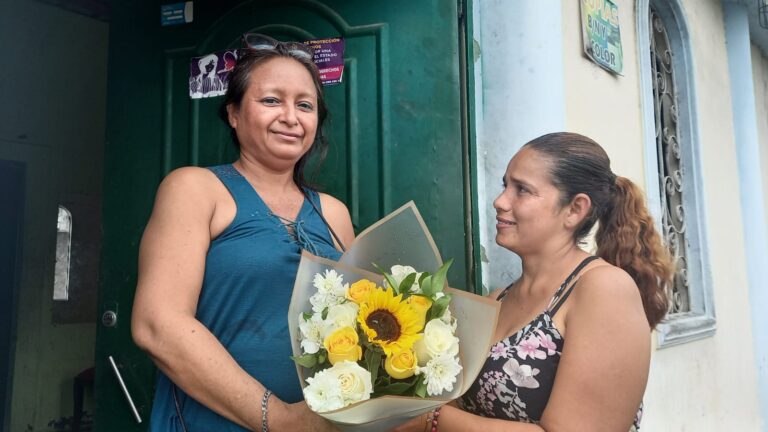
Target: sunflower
(390, 322)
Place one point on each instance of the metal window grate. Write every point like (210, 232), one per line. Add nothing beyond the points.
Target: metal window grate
(670, 167)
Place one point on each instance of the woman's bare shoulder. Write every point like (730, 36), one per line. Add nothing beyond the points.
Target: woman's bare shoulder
(606, 290)
(189, 177)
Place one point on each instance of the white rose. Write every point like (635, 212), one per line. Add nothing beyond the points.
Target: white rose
(342, 315)
(400, 272)
(313, 332)
(353, 381)
(323, 392)
(438, 340)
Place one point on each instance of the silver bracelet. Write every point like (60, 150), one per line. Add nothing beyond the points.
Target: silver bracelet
(264, 400)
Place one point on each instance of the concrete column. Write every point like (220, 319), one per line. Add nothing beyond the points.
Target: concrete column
(520, 78)
(752, 205)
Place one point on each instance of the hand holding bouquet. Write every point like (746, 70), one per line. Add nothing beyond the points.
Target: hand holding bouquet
(375, 348)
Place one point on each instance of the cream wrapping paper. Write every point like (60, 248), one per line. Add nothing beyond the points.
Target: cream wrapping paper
(400, 238)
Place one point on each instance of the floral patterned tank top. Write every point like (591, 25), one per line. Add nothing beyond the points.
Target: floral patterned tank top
(517, 378)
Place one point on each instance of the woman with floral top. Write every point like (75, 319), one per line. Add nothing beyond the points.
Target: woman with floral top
(572, 348)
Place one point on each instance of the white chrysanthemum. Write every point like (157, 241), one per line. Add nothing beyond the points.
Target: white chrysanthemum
(323, 392)
(440, 374)
(322, 300)
(340, 315)
(438, 341)
(400, 272)
(353, 381)
(330, 283)
(312, 333)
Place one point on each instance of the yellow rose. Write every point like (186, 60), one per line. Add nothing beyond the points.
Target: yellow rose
(401, 365)
(419, 303)
(358, 292)
(343, 345)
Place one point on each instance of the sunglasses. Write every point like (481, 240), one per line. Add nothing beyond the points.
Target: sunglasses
(257, 41)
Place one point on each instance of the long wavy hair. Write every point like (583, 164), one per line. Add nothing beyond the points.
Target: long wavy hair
(239, 81)
(626, 236)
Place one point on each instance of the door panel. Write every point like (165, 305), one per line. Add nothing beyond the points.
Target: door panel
(394, 132)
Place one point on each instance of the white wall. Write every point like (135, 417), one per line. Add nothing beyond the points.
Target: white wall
(520, 83)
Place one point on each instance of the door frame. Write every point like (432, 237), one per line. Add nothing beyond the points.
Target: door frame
(468, 53)
(35, 159)
(12, 304)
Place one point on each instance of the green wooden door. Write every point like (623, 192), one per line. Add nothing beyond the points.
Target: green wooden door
(395, 134)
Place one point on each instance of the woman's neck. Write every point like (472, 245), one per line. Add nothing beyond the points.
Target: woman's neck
(265, 178)
(547, 270)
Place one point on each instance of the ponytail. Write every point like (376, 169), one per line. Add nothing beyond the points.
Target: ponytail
(627, 238)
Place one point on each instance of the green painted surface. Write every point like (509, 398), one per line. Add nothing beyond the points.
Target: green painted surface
(395, 135)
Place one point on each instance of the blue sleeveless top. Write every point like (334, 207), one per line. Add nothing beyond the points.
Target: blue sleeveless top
(250, 269)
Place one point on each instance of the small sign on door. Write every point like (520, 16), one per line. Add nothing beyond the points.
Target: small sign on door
(329, 58)
(176, 13)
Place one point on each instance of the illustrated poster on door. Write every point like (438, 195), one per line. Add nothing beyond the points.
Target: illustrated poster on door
(209, 74)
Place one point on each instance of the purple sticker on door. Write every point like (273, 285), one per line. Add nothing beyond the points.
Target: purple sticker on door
(209, 74)
(329, 58)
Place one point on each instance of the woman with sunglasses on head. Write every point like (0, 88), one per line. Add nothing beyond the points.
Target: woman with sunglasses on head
(573, 348)
(219, 255)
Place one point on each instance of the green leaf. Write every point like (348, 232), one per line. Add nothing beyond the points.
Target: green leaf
(407, 283)
(325, 313)
(426, 286)
(372, 363)
(307, 316)
(390, 280)
(307, 360)
(438, 307)
(438, 279)
(397, 388)
(421, 387)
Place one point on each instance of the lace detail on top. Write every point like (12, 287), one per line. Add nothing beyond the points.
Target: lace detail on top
(298, 233)
(517, 378)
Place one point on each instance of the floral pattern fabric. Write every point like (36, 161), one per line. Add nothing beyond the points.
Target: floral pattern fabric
(517, 378)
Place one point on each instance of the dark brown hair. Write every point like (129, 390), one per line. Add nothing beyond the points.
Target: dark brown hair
(240, 79)
(626, 236)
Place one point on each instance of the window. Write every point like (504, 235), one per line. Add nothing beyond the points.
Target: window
(63, 251)
(674, 180)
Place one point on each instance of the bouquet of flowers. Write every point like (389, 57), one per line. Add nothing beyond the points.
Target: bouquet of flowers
(404, 336)
(374, 348)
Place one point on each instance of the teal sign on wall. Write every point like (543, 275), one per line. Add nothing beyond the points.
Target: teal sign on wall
(601, 35)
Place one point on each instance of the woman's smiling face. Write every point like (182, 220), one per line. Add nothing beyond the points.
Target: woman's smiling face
(529, 211)
(276, 121)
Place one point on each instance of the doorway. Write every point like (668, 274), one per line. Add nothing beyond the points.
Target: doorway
(11, 217)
